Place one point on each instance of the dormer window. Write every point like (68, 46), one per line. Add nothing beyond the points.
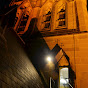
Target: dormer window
(61, 18)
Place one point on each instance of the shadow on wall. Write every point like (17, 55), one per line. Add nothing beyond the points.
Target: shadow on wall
(16, 69)
(36, 45)
(37, 49)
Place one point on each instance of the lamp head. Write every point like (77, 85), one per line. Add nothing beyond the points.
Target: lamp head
(49, 59)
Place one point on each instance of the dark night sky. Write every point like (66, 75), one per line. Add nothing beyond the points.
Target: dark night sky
(4, 3)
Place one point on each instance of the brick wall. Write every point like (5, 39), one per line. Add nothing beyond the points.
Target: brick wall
(16, 69)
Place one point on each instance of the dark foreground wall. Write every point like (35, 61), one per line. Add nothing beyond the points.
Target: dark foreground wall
(16, 69)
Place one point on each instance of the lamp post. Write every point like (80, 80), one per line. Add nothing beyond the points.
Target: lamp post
(49, 60)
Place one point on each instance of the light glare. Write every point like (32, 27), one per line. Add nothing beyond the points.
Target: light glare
(63, 81)
(49, 59)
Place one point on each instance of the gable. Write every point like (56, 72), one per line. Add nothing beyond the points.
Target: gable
(63, 62)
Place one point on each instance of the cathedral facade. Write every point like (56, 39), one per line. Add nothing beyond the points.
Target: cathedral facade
(63, 23)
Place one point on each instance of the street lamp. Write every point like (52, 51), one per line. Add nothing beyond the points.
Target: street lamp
(51, 65)
(49, 59)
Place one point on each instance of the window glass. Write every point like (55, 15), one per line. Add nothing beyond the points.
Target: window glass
(61, 18)
(64, 76)
(46, 21)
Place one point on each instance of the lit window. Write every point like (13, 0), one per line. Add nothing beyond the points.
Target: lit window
(64, 77)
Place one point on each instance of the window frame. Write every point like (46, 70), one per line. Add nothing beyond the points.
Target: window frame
(57, 27)
(45, 21)
(60, 67)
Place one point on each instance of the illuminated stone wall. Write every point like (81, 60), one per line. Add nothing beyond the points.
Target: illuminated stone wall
(75, 45)
(75, 18)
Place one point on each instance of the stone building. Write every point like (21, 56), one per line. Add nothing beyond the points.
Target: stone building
(63, 24)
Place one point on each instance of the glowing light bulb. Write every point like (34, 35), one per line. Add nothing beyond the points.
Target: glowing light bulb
(49, 59)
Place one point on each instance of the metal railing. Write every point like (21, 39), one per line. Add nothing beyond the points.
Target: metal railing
(53, 86)
(51, 80)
